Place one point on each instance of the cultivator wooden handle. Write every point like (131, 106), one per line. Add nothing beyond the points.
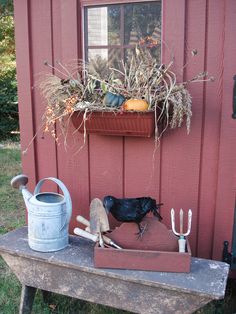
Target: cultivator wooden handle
(19, 181)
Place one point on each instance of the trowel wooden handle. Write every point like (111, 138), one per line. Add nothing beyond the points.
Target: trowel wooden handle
(85, 234)
(86, 223)
(19, 181)
(83, 220)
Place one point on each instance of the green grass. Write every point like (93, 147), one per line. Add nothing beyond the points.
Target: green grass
(12, 215)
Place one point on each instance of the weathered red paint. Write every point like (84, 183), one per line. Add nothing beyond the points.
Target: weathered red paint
(143, 260)
(195, 171)
(158, 249)
(211, 128)
(157, 237)
(24, 77)
(226, 181)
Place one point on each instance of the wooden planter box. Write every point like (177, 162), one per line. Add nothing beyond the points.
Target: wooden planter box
(143, 260)
(157, 250)
(139, 124)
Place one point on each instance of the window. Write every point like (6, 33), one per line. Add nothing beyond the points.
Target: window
(112, 32)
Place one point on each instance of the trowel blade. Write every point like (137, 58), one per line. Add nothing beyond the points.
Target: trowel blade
(98, 217)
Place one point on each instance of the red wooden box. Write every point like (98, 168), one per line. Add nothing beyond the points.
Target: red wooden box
(139, 124)
(143, 260)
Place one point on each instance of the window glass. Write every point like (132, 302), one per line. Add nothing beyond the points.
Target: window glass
(103, 26)
(142, 23)
(112, 31)
(101, 58)
(114, 25)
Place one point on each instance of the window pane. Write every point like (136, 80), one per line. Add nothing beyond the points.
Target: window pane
(114, 25)
(122, 26)
(100, 60)
(103, 26)
(143, 23)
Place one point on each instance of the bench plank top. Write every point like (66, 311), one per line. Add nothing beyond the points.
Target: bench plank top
(207, 277)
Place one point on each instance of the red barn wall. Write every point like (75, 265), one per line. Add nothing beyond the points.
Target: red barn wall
(194, 171)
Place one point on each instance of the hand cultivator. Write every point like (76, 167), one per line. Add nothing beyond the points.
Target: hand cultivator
(181, 234)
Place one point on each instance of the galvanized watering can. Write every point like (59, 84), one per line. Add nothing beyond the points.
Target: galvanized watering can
(48, 215)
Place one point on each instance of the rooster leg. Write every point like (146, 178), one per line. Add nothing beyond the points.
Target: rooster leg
(141, 230)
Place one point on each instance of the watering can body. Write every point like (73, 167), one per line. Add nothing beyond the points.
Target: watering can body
(48, 217)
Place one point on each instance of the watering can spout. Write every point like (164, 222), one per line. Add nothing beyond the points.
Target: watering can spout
(26, 195)
(19, 182)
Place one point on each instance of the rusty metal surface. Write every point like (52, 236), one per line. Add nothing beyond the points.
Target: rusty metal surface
(71, 272)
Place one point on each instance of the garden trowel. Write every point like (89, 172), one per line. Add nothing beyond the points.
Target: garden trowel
(98, 219)
(86, 223)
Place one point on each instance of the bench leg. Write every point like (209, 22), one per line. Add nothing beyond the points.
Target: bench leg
(47, 296)
(27, 299)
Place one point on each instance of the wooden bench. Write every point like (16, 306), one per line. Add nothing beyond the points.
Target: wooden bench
(71, 272)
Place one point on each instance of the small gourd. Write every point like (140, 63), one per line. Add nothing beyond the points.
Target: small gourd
(113, 100)
(135, 105)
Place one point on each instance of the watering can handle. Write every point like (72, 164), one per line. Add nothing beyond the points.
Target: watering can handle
(65, 192)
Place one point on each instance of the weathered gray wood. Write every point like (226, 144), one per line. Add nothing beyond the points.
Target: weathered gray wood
(71, 272)
(27, 299)
(101, 289)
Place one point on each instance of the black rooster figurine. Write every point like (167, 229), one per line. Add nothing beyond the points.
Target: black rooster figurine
(132, 209)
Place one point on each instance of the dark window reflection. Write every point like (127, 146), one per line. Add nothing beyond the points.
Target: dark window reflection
(142, 23)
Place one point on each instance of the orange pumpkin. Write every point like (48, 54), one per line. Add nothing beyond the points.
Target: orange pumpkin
(135, 104)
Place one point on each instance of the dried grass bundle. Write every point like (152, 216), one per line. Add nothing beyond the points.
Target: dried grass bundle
(82, 87)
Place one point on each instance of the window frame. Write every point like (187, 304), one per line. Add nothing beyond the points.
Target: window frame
(86, 3)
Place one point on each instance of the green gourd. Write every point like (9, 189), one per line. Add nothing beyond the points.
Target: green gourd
(113, 100)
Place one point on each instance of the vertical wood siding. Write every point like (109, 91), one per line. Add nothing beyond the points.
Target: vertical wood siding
(211, 127)
(195, 171)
